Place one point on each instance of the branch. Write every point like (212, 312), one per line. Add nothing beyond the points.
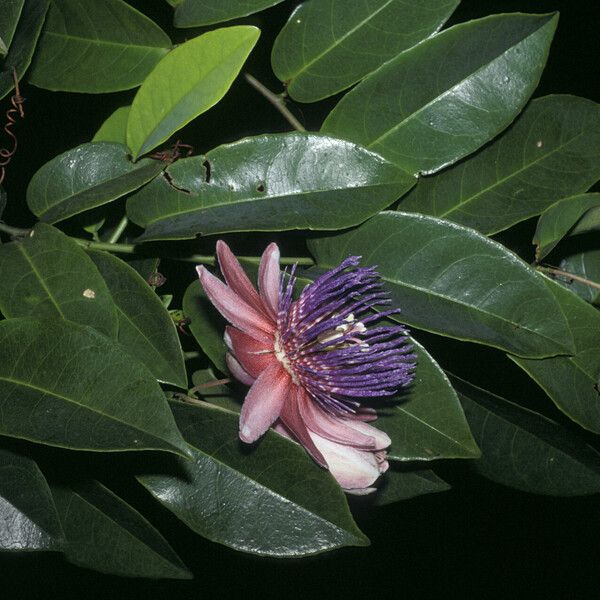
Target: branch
(572, 276)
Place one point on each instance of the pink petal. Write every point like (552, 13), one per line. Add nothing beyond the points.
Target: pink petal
(238, 371)
(353, 469)
(364, 413)
(269, 278)
(234, 309)
(253, 355)
(236, 277)
(335, 429)
(264, 402)
(292, 419)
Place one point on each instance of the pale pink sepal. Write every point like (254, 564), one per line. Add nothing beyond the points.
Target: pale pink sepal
(264, 402)
(269, 278)
(234, 309)
(236, 277)
(238, 371)
(255, 356)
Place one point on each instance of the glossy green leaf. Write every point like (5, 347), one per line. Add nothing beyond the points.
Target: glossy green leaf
(23, 44)
(525, 450)
(145, 328)
(325, 47)
(9, 17)
(47, 275)
(96, 47)
(268, 183)
(271, 500)
(147, 268)
(454, 281)
(559, 219)
(403, 485)
(449, 95)
(90, 175)
(552, 151)
(28, 518)
(66, 385)
(106, 534)
(427, 421)
(194, 13)
(114, 129)
(187, 82)
(585, 264)
(573, 382)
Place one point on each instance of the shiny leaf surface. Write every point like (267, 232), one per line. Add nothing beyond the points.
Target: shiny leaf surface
(106, 534)
(28, 518)
(47, 275)
(451, 280)
(573, 382)
(146, 330)
(403, 485)
(585, 264)
(187, 82)
(325, 47)
(85, 177)
(96, 47)
(552, 151)
(66, 385)
(9, 17)
(114, 129)
(449, 95)
(525, 450)
(270, 500)
(268, 183)
(193, 13)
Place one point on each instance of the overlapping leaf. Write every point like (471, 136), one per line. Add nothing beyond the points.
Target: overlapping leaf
(145, 328)
(449, 95)
(552, 151)
(28, 518)
(525, 450)
(23, 43)
(273, 500)
(66, 385)
(90, 46)
(187, 82)
(325, 48)
(193, 13)
(403, 485)
(586, 265)
(106, 534)
(114, 129)
(451, 280)
(9, 17)
(47, 275)
(85, 177)
(573, 382)
(427, 422)
(267, 183)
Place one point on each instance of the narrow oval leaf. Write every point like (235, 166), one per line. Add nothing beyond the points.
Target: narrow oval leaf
(23, 44)
(558, 220)
(454, 281)
(187, 82)
(194, 13)
(106, 534)
(573, 382)
(427, 422)
(325, 47)
(47, 275)
(28, 518)
(449, 95)
(273, 500)
(403, 485)
(585, 264)
(90, 175)
(9, 17)
(114, 129)
(66, 385)
(146, 329)
(206, 324)
(550, 152)
(268, 183)
(96, 47)
(525, 450)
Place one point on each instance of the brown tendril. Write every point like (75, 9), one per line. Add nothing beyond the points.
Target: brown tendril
(174, 153)
(16, 100)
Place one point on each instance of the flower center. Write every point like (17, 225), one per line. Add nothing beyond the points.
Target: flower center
(281, 356)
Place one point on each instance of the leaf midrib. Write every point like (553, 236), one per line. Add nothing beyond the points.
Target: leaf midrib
(100, 42)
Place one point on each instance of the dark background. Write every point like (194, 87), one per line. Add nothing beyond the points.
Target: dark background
(479, 539)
